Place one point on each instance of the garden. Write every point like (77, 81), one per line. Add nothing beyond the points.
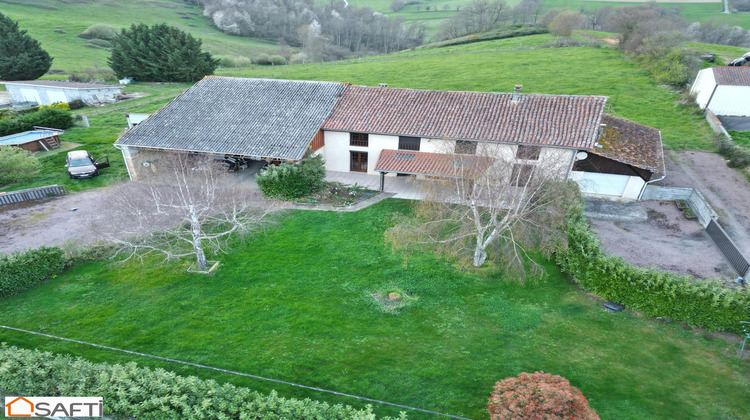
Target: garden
(322, 301)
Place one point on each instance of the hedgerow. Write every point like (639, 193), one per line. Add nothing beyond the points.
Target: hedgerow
(706, 303)
(23, 269)
(49, 117)
(739, 157)
(130, 391)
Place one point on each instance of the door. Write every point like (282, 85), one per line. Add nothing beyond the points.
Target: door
(102, 162)
(358, 161)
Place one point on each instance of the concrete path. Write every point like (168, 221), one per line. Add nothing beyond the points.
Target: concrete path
(400, 187)
(610, 210)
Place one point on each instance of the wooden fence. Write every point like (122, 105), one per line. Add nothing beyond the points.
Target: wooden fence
(31, 194)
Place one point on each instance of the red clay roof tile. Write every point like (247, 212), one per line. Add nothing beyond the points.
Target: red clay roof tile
(549, 120)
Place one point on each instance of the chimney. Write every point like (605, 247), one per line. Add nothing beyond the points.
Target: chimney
(517, 93)
(382, 84)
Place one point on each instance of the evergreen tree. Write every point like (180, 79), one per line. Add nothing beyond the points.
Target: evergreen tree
(21, 56)
(159, 53)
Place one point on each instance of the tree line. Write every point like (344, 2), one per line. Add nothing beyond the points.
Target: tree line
(325, 31)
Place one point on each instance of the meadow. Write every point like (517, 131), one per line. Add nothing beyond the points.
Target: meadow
(296, 304)
(501, 64)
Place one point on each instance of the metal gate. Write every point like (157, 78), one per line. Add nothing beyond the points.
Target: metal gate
(31, 194)
(728, 248)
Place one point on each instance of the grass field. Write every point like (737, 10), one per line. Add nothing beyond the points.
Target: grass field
(578, 71)
(107, 124)
(296, 305)
(72, 18)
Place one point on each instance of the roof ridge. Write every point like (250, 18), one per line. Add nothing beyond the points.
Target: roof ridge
(481, 92)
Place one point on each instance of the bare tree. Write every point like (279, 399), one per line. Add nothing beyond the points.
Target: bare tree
(187, 206)
(497, 202)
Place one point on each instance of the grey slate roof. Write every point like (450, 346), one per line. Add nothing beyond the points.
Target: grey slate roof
(259, 118)
(61, 84)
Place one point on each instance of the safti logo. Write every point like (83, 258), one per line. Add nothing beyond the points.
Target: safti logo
(53, 406)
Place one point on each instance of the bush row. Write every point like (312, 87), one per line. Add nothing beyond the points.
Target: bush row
(659, 294)
(130, 391)
(22, 270)
(739, 157)
(488, 36)
(50, 117)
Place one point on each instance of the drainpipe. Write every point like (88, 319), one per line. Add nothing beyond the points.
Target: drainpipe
(125, 159)
(663, 171)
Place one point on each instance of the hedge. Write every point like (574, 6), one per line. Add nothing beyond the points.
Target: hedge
(738, 156)
(49, 117)
(704, 303)
(24, 269)
(130, 391)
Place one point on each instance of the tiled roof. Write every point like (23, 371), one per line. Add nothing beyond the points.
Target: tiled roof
(631, 143)
(247, 117)
(550, 120)
(730, 75)
(61, 84)
(423, 163)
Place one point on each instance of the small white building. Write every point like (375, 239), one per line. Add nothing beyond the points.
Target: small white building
(135, 119)
(723, 90)
(46, 92)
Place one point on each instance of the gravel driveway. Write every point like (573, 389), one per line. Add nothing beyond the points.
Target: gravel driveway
(52, 221)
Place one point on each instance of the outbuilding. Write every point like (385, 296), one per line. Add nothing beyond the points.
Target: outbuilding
(723, 90)
(46, 92)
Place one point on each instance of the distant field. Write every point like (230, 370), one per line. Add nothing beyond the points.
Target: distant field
(55, 24)
(573, 71)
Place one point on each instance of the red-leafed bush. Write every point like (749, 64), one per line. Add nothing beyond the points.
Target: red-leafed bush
(538, 395)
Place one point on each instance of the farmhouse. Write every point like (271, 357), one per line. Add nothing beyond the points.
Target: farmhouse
(723, 90)
(389, 132)
(46, 92)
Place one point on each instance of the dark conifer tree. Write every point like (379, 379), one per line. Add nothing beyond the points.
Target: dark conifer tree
(21, 56)
(159, 53)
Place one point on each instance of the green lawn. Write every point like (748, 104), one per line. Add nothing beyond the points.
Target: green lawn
(55, 24)
(578, 71)
(295, 305)
(107, 124)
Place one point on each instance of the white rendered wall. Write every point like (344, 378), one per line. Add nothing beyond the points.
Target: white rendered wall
(703, 87)
(608, 185)
(731, 101)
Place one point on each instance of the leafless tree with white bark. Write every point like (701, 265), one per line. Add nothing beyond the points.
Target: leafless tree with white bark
(184, 208)
(495, 203)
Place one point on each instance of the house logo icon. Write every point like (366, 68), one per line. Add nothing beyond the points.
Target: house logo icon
(20, 407)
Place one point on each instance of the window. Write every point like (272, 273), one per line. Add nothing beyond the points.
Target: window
(359, 139)
(408, 143)
(466, 147)
(528, 152)
(521, 175)
(358, 161)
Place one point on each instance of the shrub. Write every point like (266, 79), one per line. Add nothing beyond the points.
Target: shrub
(76, 104)
(738, 156)
(706, 304)
(17, 165)
(98, 43)
(538, 395)
(50, 117)
(290, 181)
(261, 58)
(99, 31)
(22, 270)
(276, 60)
(130, 391)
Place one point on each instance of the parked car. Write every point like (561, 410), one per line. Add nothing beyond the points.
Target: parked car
(80, 164)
